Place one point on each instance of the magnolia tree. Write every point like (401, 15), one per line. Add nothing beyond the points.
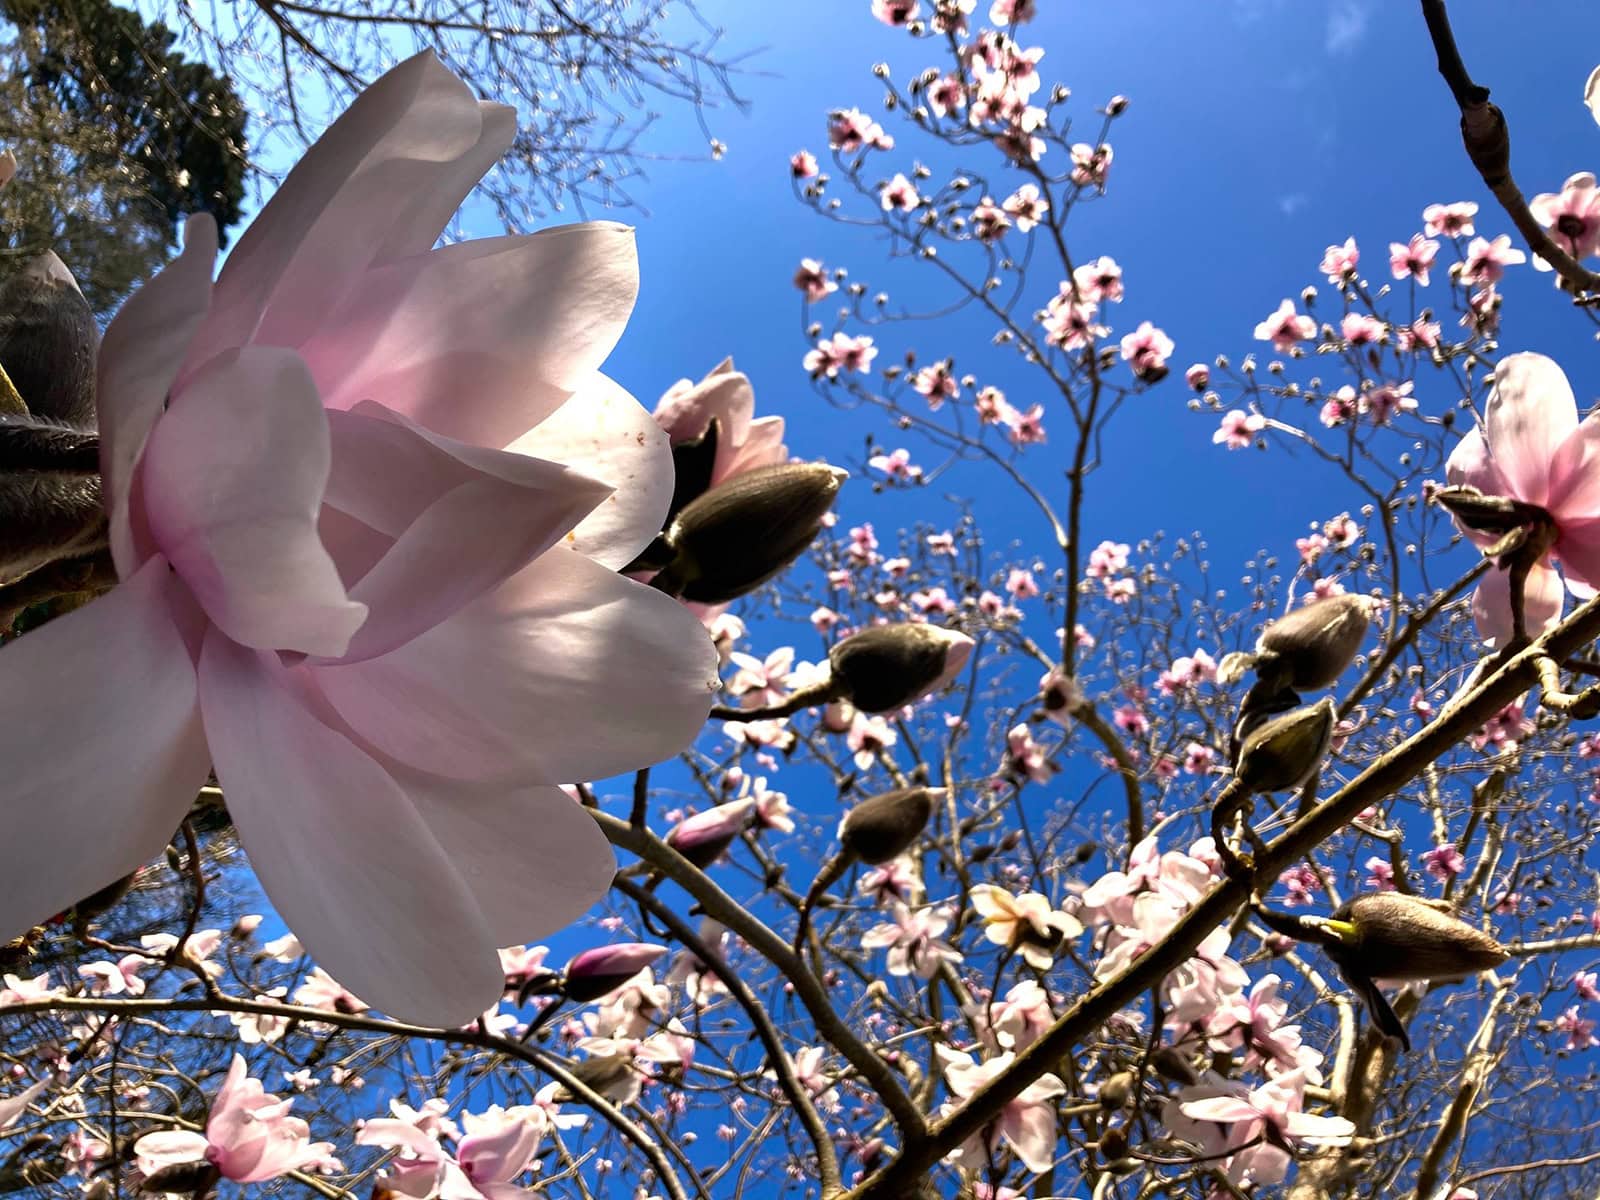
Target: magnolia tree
(952, 865)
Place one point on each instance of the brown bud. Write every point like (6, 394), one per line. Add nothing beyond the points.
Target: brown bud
(1311, 647)
(741, 533)
(1113, 1144)
(1171, 1064)
(885, 667)
(1282, 753)
(885, 826)
(1117, 1091)
(1395, 936)
(196, 1178)
(1493, 515)
(48, 341)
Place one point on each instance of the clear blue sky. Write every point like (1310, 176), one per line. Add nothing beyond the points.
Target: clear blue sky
(1259, 132)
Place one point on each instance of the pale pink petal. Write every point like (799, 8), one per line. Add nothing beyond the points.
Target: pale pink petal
(12, 1107)
(232, 481)
(724, 394)
(393, 1134)
(533, 857)
(1470, 463)
(605, 433)
(568, 672)
(139, 359)
(169, 1147)
(484, 515)
(341, 850)
(102, 745)
(1531, 412)
(482, 339)
(1030, 1130)
(762, 448)
(1225, 1109)
(1322, 1129)
(1491, 604)
(1575, 475)
(1578, 548)
(378, 185)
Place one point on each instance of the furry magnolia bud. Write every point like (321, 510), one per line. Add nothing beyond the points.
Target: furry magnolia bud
(48, 341)
(1281, 753)
(886, 826)
(1395, 936)
(1308, 648)
(888, 666)
(733, 538)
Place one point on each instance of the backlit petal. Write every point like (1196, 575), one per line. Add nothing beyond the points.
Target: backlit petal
(102, 744)
(341, 850)
(232, 481)
(568, 672)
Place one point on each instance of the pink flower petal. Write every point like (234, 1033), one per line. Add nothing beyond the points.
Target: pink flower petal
(1030, 1130)
(539, 681)
(534, 859)
(1578, 548)
(232, 479)
(102, 744)
(1575, 475)
(341, 850)
(480, 340)
(169, 1147)
(1223, 1109)
(379, 185)
(467, 519)
(1491, 604)
(724, 394)
(139, 359)
(762, 448)
(605, 433)
(1531, 412)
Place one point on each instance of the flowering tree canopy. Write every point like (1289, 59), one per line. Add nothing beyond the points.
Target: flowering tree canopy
(433, 773)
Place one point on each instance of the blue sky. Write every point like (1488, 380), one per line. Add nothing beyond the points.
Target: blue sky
(1259, 132)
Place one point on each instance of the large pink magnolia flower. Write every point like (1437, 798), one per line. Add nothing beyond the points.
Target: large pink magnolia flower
(1532, 447)
(392, 637)
(249, 1137)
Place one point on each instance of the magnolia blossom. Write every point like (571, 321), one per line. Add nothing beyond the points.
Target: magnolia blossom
(249, 1137)
(1026, 207)
(1572, 217)
(1026, 923)
(1285, 328)
(1147, 350)
(498, 1147)
(912, 940)
(1026, 1124)
(1238, 429)
(1339, 262)
(899, 195)
(1532, 447)
(724, 395)
(812, 278)
(1269, 1116)
(391, 638)
(1413, 259)
(1450, 220)
(1486, 261)
(841, 352)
